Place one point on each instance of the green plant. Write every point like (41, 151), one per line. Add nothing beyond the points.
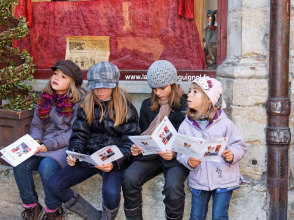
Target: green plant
(20, 65)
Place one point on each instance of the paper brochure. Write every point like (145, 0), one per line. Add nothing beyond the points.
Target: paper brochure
(103, 156)
(20, 150)
(206, 150)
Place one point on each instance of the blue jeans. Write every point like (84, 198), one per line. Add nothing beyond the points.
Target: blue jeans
(220, 206)
(47, 167)
(69, 176)
(140, 172)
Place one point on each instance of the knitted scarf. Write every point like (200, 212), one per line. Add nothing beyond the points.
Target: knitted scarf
(62, 105)
(163, 111)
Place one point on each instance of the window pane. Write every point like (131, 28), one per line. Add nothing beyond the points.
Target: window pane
(141, 31)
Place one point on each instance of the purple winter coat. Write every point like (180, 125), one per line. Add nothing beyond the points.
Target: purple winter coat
(205, 176)
(54, 133)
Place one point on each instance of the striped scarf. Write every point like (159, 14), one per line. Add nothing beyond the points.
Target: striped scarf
(62, 105)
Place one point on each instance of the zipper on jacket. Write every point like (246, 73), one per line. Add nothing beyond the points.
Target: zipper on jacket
(203, 135)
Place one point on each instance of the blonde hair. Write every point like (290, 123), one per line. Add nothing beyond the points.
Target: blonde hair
(74, 94)
(207, 109)
(117, 107)
(174, 98)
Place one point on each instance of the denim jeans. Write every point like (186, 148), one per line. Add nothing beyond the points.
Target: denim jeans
(140, 172)
(220, 206)
(47, 167)
(69, 176)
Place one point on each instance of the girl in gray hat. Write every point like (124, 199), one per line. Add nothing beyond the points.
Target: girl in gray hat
(167, 99)
(106, 117)
(51, 128)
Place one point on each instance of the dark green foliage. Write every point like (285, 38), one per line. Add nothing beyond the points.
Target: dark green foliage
(20, 65)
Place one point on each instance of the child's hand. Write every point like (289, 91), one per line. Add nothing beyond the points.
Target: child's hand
(38, 141)
(194, 162)
(41, 148)
(167, 155)
(135, 150)
(71, 160)
(105, 167)
(228, 155)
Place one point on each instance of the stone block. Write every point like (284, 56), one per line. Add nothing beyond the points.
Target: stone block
(249, 202)
(234, 5)
(291, 168)
(234, 34)
(256, 4)
(291, 204)
(250, 92)
(251, 121)
(253, 165)
(255, 28)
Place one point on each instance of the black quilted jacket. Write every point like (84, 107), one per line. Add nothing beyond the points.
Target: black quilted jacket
(88, 139)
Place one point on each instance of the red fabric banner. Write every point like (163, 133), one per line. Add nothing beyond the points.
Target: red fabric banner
(141, 31)
(24, 9)
(186, 8)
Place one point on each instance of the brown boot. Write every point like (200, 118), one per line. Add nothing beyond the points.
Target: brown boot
(57, 215)
(33, 213)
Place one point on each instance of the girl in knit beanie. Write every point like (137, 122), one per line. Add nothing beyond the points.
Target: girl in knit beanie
(167, 99)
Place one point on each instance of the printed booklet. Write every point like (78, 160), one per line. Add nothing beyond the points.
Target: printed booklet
(206, 150)
(161, 139)
(165, 137)
(100, 157)
(20, 150)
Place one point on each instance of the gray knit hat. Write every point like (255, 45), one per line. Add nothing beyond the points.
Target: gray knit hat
(103, 75)
(161, 73)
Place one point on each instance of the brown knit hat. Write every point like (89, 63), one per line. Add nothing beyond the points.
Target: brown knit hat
(70, 69)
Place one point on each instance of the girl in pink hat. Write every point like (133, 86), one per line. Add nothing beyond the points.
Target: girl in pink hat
(206, 119)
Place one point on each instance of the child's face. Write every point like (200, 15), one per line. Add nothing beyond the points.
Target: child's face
(60, 82)
(103, 93)
(162, 92)
(195, 100)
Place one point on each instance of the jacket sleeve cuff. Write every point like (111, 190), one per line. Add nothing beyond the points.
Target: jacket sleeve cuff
(48, 145)
(229, 163)
(115, 165)
(191, 168)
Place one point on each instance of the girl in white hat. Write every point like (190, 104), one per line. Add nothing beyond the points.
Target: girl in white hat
(206, 119)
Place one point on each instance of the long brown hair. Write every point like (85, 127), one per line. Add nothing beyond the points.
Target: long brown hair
(207, 109)
(174, 98)
(74, 94)
(117, 107)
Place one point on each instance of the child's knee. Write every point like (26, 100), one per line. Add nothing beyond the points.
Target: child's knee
(174, 190)
(130, 180)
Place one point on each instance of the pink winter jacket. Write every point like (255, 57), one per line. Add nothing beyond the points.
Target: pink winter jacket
(205, 176)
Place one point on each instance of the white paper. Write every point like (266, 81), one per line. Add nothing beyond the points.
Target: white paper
(103, 156)
(164, 135)
(206, 150)
(161, 139)
(146, 142)
(20, 150)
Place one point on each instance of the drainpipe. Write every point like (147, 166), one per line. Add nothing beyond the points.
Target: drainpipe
(278, 105)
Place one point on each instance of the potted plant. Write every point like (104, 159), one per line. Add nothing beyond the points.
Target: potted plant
(17, 110)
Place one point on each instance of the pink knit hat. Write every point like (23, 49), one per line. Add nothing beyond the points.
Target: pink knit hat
(212, 88)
